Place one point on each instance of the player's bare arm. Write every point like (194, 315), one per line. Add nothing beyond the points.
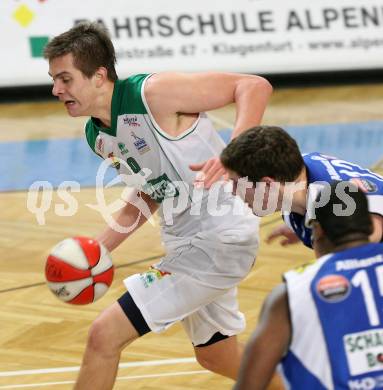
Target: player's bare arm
(170, 95)
(268, 343)
(130, 215)
(175, 100)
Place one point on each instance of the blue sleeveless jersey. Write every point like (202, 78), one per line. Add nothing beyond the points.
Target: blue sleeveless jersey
(322, 168)
(336, 310)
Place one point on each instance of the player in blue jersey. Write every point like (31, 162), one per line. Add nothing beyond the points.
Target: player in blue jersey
(154, 129)
(324, 325)
(281, 178)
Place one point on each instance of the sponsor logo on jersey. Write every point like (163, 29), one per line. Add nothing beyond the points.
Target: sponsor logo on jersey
(364, 351)
(123, 148)
(115, 163)
(131, 120)
(333, 288)
(151, 276)
(160, 188)
(99, 145)
(140, 143)
(344, 265)
(365, 185)
(366, 383)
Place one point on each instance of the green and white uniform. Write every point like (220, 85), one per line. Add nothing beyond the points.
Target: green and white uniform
(211, 237)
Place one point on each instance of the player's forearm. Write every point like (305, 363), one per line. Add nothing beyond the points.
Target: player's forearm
(251, 97)
(121, 229)
(127, 221)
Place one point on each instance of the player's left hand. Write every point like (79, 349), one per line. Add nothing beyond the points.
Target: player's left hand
(209, 172)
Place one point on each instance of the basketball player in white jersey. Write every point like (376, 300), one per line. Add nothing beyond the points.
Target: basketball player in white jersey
(155, 130)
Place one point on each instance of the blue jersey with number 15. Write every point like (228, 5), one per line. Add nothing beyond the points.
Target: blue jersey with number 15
(336, 313)
(322, 168)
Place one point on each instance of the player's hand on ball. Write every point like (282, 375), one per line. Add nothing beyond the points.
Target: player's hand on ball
(283, 231)
(79, 270)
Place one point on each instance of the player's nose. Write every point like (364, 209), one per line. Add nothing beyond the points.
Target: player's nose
(57, 88)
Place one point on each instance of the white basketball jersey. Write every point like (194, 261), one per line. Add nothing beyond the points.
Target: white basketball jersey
(158, 164)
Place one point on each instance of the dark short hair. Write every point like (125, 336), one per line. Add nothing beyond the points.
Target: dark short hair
(90, 45)
(264, 151)
(344, 228)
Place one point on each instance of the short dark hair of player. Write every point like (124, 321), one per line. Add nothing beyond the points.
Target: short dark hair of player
(90, 45)
(341, 229)
(264, 151)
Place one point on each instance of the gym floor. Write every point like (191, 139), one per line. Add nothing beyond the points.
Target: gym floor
(42, 339)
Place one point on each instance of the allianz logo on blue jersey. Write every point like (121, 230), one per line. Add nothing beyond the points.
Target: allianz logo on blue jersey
(367, 383)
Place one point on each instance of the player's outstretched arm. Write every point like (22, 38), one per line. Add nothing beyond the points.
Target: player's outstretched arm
(132, 216)
(268, 343)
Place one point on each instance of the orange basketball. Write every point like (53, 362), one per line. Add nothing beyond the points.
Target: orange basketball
(79, 270)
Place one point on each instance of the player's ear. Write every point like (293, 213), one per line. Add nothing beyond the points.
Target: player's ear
(101, 75)
(317, 231)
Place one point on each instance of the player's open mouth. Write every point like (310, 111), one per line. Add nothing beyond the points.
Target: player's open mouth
(69, 103)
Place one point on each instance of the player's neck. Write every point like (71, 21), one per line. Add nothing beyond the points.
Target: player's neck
(102, 109)
(351, 244)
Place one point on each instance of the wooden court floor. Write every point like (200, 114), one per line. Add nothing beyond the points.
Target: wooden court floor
(42, 339)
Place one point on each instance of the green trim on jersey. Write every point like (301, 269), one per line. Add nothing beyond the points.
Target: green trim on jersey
(91, 133)
(173, 139)
(126, 93)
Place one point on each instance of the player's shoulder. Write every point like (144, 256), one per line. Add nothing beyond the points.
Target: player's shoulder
(315, 157)
(316, 164)
(306, 271)
(277, 300)
(134, 83)
(136, 78)
(128, 96)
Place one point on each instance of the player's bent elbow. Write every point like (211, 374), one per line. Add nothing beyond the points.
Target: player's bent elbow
(261, 84)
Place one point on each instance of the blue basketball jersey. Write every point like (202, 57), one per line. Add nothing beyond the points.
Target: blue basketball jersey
(336, 311)
(322, 168)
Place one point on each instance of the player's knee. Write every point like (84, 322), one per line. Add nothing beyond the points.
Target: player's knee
(209, 361)
(99, 338)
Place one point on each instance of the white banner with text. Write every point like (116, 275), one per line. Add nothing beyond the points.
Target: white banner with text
(253, 36)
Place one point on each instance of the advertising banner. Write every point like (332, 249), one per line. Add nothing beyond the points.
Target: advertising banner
(253, 36)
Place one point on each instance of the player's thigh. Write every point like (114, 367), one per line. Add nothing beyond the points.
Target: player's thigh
(220, 317)
(166, 298)
(224, 354)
